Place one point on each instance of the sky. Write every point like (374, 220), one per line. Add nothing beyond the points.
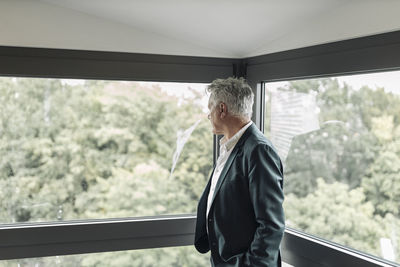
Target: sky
(389, 80)
(171, 88)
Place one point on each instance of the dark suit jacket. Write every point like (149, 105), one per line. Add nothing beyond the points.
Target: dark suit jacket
(246, 220)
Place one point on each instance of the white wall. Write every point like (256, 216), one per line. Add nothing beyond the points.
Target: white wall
(37, 24)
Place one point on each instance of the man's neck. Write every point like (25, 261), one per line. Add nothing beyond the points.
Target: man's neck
(234, 125)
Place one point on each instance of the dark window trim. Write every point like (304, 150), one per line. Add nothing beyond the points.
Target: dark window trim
(259, 106)
(77, 64)
(365, 54)
(360, 55)
(94, 236)
(300, 249)
(88, 236)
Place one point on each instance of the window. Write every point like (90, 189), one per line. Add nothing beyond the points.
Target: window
(85, 149)
(339, 139)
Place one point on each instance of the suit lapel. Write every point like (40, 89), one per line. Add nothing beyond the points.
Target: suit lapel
(231, 158)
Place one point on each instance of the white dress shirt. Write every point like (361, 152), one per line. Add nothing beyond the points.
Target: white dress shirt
(226, 147)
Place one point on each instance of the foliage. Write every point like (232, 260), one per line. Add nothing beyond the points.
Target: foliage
(99, 150)
(337, 214)
(381, 182)
(104, 149)
(342, 181)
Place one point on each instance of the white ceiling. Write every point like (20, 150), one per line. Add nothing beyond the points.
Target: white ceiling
(215, 28)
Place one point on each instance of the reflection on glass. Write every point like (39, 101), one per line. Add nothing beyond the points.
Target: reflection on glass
(168, 257)
(76, 149)
(340, 142)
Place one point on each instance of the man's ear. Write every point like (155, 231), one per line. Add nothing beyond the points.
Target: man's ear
(223, 110)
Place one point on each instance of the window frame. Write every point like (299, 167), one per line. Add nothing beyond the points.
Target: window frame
(26, 240)
(360, 55)
(371, 54)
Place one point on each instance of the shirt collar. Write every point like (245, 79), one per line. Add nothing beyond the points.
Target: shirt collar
(228, 144)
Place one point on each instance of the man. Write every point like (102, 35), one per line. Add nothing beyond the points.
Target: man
(240, 216)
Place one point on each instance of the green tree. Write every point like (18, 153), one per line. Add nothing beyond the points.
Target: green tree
(99, 150)
(382, 181)
(355, 157)
(337, 214)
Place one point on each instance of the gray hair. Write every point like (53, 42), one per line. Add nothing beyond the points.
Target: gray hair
(235, 93)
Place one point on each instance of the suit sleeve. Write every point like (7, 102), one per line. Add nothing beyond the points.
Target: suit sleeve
(266, 194)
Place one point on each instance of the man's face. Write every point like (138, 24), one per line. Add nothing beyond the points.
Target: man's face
(214, 118)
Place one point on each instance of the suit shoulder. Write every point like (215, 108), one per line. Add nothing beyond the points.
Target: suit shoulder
(254, 139)
(258, 141)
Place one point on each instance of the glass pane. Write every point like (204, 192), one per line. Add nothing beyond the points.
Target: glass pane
(173, 256)
(78, 149)
(339, 139)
